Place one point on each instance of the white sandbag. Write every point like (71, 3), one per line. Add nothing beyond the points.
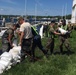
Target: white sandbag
(6, 59)
(2, 68)
(16, 52)
(2, 32)
(18, 48)
(62, 30)
(7, 56)
(15, 42)
(41, 31)
(8, 67)
(16, 60)
(5, 63)
(10, 58)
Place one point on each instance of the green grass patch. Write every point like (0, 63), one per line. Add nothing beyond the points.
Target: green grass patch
(56, 64)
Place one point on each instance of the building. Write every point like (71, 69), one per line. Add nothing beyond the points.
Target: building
(73, 19)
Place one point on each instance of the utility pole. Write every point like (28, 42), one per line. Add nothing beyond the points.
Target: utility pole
(25, 9)
(65, 10)
(35, 13)
(62, 12)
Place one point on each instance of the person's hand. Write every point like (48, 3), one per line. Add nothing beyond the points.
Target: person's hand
(11, 45)
(19, 44)
(62, 33)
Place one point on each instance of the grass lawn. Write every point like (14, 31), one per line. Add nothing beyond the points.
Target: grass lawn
(56, 64)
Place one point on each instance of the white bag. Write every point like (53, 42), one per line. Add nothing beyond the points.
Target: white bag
(15, 42)
(2, 68)
(16, 52)
(62, 30)
(7, 56)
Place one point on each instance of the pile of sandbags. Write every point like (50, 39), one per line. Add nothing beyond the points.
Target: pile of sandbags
(16, 53)
(7, 59)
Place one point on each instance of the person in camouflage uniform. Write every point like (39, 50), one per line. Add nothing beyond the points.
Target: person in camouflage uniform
(51, 40)
(64, 39)
(7, 38)
(70, 27)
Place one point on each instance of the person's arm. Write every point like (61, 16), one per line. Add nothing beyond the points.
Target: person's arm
(21, 37)
(57, 33)
(10, 36)
(9, 39)
(21, 34)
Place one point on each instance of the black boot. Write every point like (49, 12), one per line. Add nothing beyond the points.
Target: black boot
(22, 58)
(45, 53)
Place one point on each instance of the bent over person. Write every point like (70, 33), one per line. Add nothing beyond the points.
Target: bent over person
(7, 38)
(64, 39)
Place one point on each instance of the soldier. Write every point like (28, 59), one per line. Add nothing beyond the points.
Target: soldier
(69, 26)
(64, 39)
(52, 32)
(7, 38)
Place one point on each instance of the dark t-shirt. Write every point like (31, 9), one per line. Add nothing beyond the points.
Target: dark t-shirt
(63, 22)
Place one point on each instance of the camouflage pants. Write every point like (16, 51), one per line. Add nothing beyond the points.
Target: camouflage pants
(5, 45)
(64, 41)
(26, 47)
(50, 44)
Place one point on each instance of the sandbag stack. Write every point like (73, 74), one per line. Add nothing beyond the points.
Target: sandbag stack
(16, 53)
(7, 59)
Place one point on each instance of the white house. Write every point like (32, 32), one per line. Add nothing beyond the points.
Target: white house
(73, 19)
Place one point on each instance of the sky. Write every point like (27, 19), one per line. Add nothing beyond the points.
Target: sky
(36, 7)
